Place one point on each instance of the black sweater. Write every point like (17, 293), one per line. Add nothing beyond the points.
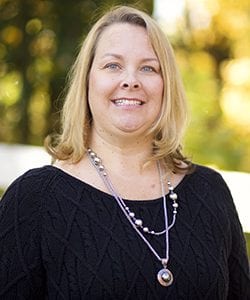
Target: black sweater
(61, 238)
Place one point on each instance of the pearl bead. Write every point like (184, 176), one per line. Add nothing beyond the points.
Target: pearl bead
(97, 160)
(173, 196)
(138, 222)
(131, 214)
(145, 229)
(101, 168)
(166, 277)
(175, 205)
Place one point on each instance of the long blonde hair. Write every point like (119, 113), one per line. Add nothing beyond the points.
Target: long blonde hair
(71, 144)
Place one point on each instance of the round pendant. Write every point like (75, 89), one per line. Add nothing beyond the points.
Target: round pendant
(165, 277)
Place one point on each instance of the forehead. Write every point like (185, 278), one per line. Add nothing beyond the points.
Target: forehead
(124, 37)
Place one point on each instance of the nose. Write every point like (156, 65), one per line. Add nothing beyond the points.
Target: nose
(127, 85)
(130, 82)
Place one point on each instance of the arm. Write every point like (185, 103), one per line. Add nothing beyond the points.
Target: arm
(238, 264)
(21, 272)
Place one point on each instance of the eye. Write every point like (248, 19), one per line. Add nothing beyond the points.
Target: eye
(112, 66)
(148, 69)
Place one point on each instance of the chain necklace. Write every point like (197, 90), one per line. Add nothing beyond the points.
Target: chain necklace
(164, 276)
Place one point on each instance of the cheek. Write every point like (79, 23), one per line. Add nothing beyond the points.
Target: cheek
(100, 85)
(90, 85)
(160, 85)
(94, 84)
(92, 92)
(155, 88)
(99, 91)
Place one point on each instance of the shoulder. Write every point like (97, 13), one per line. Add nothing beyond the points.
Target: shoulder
(34, 180)
(39, 190)
(205, 172)
(22, 202)
(208, 187)
(206, 176)
(35, 185)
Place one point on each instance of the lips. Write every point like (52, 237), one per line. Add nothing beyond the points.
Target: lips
(127, 102)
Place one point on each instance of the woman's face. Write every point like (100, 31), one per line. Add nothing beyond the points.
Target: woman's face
(125, 82)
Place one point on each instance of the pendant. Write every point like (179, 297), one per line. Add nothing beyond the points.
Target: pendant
(165, 277)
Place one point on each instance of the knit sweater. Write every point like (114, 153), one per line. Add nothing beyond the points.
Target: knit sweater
(61, 238)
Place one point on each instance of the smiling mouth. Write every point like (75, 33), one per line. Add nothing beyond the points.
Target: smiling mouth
(127, 102)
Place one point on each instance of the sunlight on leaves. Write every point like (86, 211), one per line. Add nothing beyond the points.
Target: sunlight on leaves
(38, 109)
(236, 106)
(33, 26)
(10, 88)
(12, 35)
(237, 72)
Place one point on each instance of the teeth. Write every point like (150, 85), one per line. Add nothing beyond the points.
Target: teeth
(127, 102)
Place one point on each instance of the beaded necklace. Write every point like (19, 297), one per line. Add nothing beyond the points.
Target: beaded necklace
(164, 276)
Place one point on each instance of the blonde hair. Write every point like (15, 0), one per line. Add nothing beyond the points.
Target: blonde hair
(71, 144)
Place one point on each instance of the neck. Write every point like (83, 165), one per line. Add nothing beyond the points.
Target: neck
(124, 154)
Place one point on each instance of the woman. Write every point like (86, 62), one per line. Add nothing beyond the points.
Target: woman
(122, 214)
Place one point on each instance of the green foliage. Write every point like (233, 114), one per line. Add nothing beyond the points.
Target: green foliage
(209, 139)
(214, 60)
(247, 237)
(1, 193)
(38, 43)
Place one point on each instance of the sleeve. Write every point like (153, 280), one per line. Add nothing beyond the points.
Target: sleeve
(21, 271)
(238, 263)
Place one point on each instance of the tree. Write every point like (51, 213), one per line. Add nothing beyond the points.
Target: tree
(38, 42)
(212, 45)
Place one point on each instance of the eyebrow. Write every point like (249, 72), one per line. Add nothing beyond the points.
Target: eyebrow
(118, 56)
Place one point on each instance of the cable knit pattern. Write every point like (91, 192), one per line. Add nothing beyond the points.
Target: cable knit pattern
(61, 238)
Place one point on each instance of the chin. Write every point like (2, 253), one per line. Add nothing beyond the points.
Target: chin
(131, 130)
(129, 126)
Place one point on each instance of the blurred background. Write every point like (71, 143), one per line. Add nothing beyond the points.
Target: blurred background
(39, 40)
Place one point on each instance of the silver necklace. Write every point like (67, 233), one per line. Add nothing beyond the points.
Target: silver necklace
(164, 276)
